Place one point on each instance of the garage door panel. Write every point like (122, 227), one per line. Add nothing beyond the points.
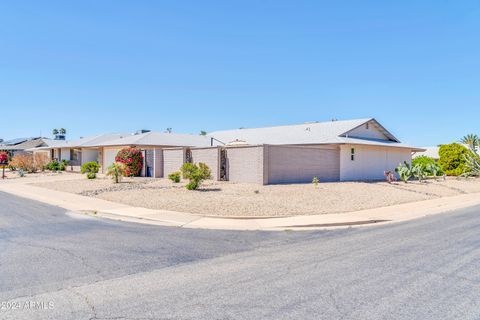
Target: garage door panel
(299, 164)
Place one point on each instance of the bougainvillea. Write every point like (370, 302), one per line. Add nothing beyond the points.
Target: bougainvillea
(3, 157)
(132, 158)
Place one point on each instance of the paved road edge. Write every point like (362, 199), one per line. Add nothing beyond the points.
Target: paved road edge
(111, 210)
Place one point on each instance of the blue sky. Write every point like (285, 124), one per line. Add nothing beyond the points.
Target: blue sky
(115, 66)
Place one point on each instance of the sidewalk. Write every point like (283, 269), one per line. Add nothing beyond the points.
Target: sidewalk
(112, 210)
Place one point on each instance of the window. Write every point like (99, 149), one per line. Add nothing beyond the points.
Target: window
(352, 154)
(368, 126)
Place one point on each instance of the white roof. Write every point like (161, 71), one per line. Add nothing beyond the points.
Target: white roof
(160, 139)
(431, 152)
(90, 141)
(332, 132)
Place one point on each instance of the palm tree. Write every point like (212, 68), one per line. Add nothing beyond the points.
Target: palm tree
(203, 133)
(471, 140)
(63, 131)
(54, 132)
(169, 130)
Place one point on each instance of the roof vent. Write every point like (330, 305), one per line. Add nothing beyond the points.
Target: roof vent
(141, 131)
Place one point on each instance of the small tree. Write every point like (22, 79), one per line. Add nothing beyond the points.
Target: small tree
(203, 133)
(3, 158)
(196, 174)
(116, 171)
(452, 159)
(3, 162)
(91, 169)
(132, 158)
(471, 140)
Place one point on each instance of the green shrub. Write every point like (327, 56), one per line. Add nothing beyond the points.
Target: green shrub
(116, 171)
(423, 161)
(196, 174)
(53, 166)
(428, 165)
(91, 169)
(175, 176)
(315, 181)
(452, 159)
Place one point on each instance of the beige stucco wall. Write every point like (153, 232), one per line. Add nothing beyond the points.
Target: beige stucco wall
(209, 156)
(370, 161)
(173, 159)
(158, 163)
(245, 164)
(291, 164)
(65, 154)
(109, 154)
(89, 155)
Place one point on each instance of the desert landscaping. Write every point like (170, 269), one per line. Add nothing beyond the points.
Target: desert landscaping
(250, 200)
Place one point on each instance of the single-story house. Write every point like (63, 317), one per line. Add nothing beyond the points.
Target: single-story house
(76, 152)
(22, 145)
(152, 144)
(349, 150)
(360, 149)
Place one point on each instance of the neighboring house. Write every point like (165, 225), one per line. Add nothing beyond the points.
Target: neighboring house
(152, 144)
(77, 152)
(431, 152)
(22, 145)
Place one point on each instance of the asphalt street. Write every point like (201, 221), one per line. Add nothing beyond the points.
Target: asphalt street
(60, 265)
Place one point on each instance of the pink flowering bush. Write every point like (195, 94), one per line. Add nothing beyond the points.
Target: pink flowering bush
(132, 159)
(3, 158)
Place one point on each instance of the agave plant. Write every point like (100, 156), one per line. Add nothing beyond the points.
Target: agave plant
(472, 165)
(404, 171)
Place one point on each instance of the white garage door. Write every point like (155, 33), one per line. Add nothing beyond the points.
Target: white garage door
(109, 157)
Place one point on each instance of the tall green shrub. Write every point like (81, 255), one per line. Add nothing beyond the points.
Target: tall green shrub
(452, 159)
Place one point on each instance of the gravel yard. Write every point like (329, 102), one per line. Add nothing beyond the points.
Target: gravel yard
(240, 200)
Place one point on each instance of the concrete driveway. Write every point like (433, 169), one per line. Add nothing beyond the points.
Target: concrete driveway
(59, 266)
